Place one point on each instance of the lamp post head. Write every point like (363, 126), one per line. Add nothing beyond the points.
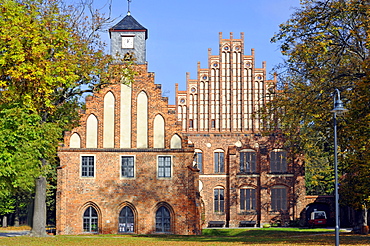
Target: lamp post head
(338, 105)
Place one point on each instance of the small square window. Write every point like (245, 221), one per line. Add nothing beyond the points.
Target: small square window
(87, 166)
(164, 167)
(127, 167)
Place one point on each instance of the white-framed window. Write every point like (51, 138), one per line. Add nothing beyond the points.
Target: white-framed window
(248, 161)
(278, 162)
(87, 166)
(219, 199)
(164, 166)
(248, 199)
(127, 166)
(279, 201)
(219, 161)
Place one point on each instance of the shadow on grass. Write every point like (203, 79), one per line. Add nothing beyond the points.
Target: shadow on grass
(268, 236)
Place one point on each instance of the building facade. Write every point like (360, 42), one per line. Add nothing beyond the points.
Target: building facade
(138, 165)
(246, 179)
(128, 168)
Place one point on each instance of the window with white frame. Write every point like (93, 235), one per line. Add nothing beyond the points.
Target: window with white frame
(279, 198)
(247, 161)
(219, 200)
(87, 166)
(164, 166)
(278, 162)
(247, 198)
(127, 167)
(219, 161)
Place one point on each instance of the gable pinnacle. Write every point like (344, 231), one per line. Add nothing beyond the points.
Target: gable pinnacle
(128, 7)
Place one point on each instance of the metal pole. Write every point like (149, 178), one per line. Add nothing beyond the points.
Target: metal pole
(336, 182)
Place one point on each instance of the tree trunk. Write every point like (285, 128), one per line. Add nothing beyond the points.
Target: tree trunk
(16, 216)
(364, 226)
(5, 221)
(39, 212)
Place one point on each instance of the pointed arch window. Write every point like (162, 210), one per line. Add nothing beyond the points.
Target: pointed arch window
(163, 220)
(126, 221)
(90, 220)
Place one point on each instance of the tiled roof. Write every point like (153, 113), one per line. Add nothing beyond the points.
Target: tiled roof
(128, 23)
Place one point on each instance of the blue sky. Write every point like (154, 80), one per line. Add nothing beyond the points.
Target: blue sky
(181, 31)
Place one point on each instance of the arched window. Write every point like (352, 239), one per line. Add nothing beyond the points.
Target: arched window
(126, 220)
(158, 132)
(219, 199)
(163, 220)
(219, 161)
(75, 141)
(90, 220)
(142, 120)
(175, 142)
(92, 132)
(108, 120)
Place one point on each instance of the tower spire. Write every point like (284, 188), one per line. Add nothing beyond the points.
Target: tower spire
(128, 7)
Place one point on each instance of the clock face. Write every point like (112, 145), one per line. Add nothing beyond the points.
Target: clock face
(127, 42)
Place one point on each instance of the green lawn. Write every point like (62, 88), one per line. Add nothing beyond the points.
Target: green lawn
(266, 236)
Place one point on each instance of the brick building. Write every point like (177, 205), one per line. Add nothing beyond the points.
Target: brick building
(246, 179)
(138, 165)
(127, 168)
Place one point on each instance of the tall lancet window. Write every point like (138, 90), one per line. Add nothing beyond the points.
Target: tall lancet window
(142, 120)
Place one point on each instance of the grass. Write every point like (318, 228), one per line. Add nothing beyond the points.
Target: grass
(231, 237)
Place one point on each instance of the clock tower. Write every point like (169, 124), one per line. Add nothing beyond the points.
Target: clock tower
(129, 37)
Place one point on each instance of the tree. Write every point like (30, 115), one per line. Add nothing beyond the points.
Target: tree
(326, 45)
(50, 55)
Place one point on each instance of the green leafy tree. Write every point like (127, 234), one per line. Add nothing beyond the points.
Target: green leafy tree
(50, 55)
(326, 45)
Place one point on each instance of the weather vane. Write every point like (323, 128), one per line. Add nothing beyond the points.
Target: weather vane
(128, 6)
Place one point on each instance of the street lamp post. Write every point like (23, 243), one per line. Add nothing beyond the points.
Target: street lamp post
(338, 109)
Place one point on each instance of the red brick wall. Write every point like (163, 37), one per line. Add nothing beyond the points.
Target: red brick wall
(109, 193)
(262, 181)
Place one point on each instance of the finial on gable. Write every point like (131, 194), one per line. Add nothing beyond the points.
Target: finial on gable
(128, 7)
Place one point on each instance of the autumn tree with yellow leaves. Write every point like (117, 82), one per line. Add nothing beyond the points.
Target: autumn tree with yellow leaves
(50, 56)
(326, 45)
